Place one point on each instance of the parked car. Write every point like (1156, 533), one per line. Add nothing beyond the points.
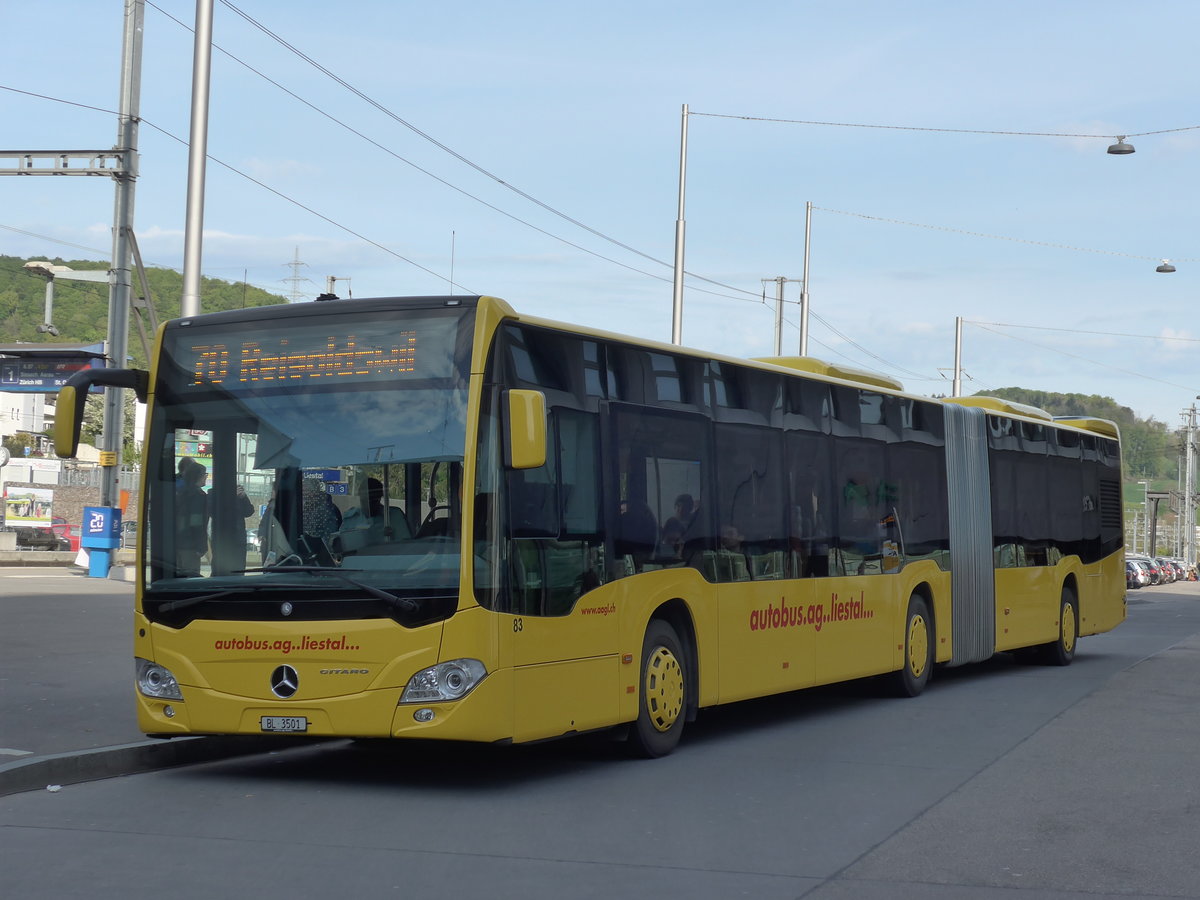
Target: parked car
(30, 538)
(1135, 576)
(71, 534)
(1165, 573)
(1167, 567)
(1150, 566)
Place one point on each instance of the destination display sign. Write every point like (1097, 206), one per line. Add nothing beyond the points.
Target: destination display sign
(304, 354)
(286, 360)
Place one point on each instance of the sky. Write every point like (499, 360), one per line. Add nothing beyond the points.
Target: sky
(954, 154)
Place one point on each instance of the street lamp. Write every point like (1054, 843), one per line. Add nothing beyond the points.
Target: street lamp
(1120, 148)
(1165, 267)
(51, 272)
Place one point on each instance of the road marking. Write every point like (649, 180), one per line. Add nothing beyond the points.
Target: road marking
(5, 751)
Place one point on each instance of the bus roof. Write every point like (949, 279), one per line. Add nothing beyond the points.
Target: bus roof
(1105, 427)
(1000, 405)
(832, 370)
(499, 310)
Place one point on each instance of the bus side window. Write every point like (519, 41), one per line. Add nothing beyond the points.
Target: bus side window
(812, 514)
(662, 458)
(750, 499)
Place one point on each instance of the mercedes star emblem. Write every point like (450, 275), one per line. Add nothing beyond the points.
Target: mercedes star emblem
(284, 682)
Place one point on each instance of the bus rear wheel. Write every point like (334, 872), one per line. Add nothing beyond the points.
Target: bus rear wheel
(662, 705)
(1062, 651)
(918, 649)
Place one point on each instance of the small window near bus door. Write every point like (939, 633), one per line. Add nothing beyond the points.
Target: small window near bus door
(661, 456)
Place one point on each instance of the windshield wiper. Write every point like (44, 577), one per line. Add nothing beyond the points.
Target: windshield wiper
(185, 602)
(405, 604)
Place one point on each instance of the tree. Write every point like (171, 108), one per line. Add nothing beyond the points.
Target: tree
(1146, 448)
(16, 444)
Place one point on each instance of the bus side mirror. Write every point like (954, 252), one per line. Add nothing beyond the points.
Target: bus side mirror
(525, 443)
(68, 415)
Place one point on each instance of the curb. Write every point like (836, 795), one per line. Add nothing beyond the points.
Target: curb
(78, 766)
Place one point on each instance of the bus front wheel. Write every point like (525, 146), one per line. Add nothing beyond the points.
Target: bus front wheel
(1062, 651)
(662, 706)
(918, 649)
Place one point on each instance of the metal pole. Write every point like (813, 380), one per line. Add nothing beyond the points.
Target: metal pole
(779, 315)
(1146, 548)
(1181, 506)
(804, 282)
(48, 312)
(197, 154)
(1189, 495)
(956, 391)
(677, 287)
(121, 275)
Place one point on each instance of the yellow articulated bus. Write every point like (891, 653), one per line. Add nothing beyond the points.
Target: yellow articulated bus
(433, 517)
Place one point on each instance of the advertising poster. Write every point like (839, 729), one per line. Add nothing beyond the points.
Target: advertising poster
(28, 506)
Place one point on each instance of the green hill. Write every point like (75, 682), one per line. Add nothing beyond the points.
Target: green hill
(81, 307)
(1149, 450)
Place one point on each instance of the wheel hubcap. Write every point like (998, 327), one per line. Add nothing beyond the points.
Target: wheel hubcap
(663, 688)
(1068, 628)
(918, 645)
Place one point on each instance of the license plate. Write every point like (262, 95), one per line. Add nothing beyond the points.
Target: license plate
(284, 724)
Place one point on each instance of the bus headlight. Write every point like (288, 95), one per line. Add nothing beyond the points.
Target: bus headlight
(446, 681)
(157, 681)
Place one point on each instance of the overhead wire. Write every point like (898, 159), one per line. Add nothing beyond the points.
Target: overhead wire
(1094, 362)
(994, 237)
(874, 356)
(455, 154)
(106, 253)
(820, 319)
(444, 182)
(1150, 337)
(462, 158)
(942, 130)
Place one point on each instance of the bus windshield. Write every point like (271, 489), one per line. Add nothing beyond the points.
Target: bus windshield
(310, 453)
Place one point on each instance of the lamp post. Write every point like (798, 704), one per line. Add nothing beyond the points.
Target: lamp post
(51, 272)
(193, 233)
(804, 281)
(677, 281)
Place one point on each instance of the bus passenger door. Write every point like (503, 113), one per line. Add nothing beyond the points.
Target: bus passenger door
(564, 641)
(563, 623)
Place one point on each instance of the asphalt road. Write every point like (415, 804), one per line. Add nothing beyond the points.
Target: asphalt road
(66, 662)
(1000, 781)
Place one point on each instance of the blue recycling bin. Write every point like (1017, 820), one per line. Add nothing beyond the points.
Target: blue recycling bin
(100, 536)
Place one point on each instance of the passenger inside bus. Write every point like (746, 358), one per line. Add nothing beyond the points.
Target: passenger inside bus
(637, 531)
(191, 517)
(367, 522)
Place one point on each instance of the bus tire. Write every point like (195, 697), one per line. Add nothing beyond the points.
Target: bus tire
(918, 649)
(1062, 651)
(663, 693)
